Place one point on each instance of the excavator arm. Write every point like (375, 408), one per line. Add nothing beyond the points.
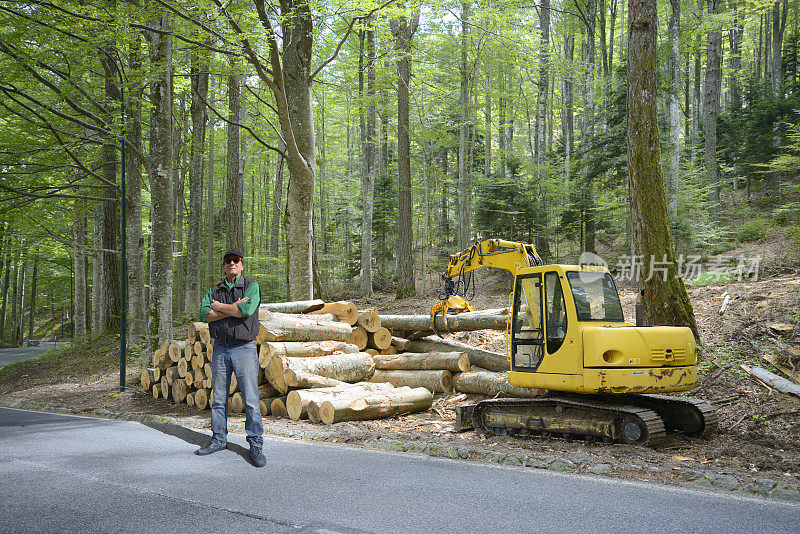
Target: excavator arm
(497, 253)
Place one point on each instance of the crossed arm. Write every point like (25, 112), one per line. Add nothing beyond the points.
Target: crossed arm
(220, 311)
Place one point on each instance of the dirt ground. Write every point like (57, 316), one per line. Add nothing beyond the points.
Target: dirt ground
(759, 434)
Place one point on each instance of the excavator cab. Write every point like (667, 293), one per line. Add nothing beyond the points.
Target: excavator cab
(567, 333)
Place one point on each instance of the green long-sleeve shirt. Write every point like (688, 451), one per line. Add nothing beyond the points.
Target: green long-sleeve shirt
(247, 308)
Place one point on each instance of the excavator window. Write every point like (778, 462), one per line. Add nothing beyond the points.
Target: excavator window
(528, 334)
(556, 323)
(595, 295)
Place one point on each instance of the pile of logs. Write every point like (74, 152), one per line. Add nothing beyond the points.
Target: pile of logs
(331, 362)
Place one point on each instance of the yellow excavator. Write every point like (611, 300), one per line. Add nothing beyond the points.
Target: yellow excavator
(566, 333)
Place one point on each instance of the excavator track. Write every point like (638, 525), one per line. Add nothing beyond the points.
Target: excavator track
(569, 418)
(638, 419)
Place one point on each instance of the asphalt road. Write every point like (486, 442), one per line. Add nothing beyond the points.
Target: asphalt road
(24, 353)
(76, 474)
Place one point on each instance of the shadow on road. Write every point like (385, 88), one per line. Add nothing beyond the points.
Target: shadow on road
(194, 437)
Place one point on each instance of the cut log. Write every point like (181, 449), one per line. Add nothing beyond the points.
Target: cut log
(189, 379)
(171, 374)
(400, 343)
(372, 352)
(772, 380)
(265, 354)
(199, 377)
(493, 361)
(210, 351)
(344, 367)
(179, 391)
(164, 360)
(490, 383)
(455, 323)
(359, 338)
(147, 379)
(452, 361)
(236, 403)
(435, 381)
(188, 350)
(165, 388)
(183, 367)
(190, 398)
(310, 349)
(369, 319)
(266, 391)
(312, 411)
(297, 401)
(346, 311)
(198, 348)
(156, 374)
(207, 370)
(304, 380)
(156, 388)
(207, 383)
(195, 329)
(376, 405)
(298, 306)
(176, 349)
(276, 327)
(201, 399)
(277, 407)
(380, 339)
(391, 349)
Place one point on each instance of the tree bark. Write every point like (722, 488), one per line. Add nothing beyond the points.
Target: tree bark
(674, 72)
(435, 381)
(199, 82)
(302, 306)
(451, 361)
(134, 247)
(297, 401)
(377, 405)
(31, 307)
(211, 262)
(463, 133)
(491, 384)
(666, 300)
(295, 328)
(493, 361)
(403, 29)
(161, 265)
(305, 380)
(455, 323)
(234, 181)
(368, 167)
(79, 268)
(344, 367)
(711, 110)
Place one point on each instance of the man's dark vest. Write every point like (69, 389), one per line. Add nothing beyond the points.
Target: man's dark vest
(233, 330)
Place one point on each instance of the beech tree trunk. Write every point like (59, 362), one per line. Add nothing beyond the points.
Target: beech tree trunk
(451, 361)
(79, 266)
(375, 406)
(295, 328)
(435, 381)
(199, 83)
(302, 306)
(711, 110)
(161, 265)
(490, 384)
(234, 183)
(305, 380)
(297, 401)
(368, 171)
(674, 72)
(666, 301)
(344, 367)
(493, 361)
(403, 29)
(454, 323)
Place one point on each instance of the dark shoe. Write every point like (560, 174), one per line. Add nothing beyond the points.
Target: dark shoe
(210, 448)
(258, 458)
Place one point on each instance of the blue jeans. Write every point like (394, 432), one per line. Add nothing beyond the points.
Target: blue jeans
(242, 360)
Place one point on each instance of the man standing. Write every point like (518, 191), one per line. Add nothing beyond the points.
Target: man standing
(231, 310)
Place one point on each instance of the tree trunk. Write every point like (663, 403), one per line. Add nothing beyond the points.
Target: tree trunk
(435, 381)
(134, 246)
(234, 182)
(674, 107)
(463, 134)
(9, 259)
(368, 172)
(588, 125)
(493, 361)
(277, 196)
(710, 111)
(403, 30)
(544, 85)
(491, 384)
(31, 307)
(79, 267)
(487, 129)
(305, 380)
(161, 265)
(455, 323)
(213, 266)
(289, 328)
(666, 300)
(301, 306)
(298, 35)
(199, 82)
(450, 361)
(377, 405)
(569, 124)
(297, 402)
(345, 310)
(344, 367)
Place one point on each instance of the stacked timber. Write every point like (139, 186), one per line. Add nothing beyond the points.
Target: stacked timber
(331, 362)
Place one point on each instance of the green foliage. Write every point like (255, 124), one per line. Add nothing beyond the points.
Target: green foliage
(751, 231)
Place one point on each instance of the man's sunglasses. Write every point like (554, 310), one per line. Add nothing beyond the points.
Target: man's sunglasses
(231, 260)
